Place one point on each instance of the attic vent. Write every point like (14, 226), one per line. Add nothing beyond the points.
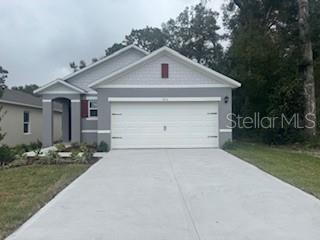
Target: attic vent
(165, 70)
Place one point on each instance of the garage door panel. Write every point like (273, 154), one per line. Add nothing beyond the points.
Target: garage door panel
(164, 124)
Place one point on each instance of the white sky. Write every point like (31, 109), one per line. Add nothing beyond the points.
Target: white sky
(40, 37)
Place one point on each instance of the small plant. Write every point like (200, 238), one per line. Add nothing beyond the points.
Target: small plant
(60, 147)
(228, 145)
(75, 155)
(6, 155)
(20, 160)
(86, 155)
(103, 147)
(35, 145)
(83, 147)
(52, 157)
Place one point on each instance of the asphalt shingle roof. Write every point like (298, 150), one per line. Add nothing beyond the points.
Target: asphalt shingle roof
(21, 98)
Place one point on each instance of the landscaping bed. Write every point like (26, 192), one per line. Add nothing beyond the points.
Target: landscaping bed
(58, 154)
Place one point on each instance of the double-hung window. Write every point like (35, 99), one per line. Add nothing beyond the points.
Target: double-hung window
(93, 108)
(26, 123)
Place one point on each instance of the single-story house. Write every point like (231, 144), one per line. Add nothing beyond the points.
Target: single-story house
(22, 118)
(137, 99)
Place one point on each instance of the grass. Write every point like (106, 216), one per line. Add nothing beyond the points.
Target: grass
(296, 168)
(24, 190)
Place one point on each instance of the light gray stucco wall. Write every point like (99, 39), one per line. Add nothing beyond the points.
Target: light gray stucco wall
(47, 103)
(104, 107)
(89, 130)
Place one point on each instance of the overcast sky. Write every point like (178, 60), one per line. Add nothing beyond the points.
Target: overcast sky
(40, 38)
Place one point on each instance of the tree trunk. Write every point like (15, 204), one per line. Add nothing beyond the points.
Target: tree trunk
(306, 68)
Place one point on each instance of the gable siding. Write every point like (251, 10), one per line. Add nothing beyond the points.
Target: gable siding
(150, 74)
(104, 69)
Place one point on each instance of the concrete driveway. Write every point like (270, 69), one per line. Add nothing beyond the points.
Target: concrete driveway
(179, 195)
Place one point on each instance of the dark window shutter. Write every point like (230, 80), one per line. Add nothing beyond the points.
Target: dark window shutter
(84, 108)
(165, 70)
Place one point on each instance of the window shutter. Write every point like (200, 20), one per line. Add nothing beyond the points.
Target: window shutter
(165, 70)
(84, 108)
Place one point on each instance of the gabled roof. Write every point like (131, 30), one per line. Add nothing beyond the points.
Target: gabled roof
(165, 50)
(59, 81)
(115, 54)
(20, 98)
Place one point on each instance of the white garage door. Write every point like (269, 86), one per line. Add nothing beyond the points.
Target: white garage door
(164, 124)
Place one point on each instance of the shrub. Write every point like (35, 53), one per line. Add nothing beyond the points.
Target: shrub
(20, 160)
(228, 145)
(22, 148)
(60, 147)
(85, 155)
(75, 155)
(6, 155)
(35, 145)
(52, 157)
(103, 147)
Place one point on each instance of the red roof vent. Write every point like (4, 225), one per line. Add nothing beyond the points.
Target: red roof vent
(165, 70)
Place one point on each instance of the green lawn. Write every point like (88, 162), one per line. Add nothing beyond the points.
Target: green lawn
(299, 169)
(24, 190)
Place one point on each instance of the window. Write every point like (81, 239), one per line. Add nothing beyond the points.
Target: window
(165, 70)
(26, 122)
(93, 108)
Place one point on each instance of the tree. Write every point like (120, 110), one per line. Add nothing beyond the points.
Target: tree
(148, 38)
(3, 77)
(28, 88)
(194, 34)
(263, 55)
(306, 68)
(93, 60)
(73, 66)
(114, 48)
(82, 64)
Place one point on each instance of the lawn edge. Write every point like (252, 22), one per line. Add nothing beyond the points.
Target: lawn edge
(275, 177)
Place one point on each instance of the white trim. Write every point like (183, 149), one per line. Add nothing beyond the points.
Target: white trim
(28, 123)
(105, 59)
(166, 86)
(104, 131)
(75, 100)
(20, 104)
(28, 105)
(62, 92)
(59, 81)
(227, 130)
(170, 99)
(89, 131)
(92, 118)
(91, 97)
(90, 108)
(114, 75)
(47, 100)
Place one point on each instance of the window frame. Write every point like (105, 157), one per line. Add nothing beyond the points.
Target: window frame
(92, 108)
(28, 123)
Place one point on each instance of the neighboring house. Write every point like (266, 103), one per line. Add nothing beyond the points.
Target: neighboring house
(136, 99)
(22, 120)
